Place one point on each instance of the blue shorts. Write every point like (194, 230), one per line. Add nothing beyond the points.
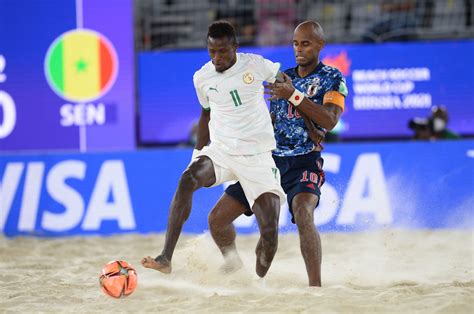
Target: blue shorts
(299, 174)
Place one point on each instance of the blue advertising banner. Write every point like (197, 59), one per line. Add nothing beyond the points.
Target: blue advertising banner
(388, 83)
(66, 75)
(401, 185)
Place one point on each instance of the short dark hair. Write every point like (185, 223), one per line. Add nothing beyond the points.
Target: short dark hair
(220, 29)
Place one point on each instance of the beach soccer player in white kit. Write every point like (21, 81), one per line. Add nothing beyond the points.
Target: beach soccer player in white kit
(236, 121)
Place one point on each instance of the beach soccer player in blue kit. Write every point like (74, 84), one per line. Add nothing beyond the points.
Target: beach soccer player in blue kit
(304, 106)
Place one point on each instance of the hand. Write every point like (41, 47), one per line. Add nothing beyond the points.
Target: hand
(280, 90)
(316, 135)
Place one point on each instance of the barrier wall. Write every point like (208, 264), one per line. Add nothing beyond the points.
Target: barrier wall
(408, 185)
(399, 80)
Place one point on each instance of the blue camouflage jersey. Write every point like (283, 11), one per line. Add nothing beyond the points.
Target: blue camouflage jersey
(290, 131)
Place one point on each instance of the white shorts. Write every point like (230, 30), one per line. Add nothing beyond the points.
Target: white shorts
(257, 174)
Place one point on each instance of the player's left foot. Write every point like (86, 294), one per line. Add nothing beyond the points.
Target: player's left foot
(262, 264)
(160, 264)
(261, 282)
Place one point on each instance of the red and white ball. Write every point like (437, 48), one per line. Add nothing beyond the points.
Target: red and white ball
(118, 279)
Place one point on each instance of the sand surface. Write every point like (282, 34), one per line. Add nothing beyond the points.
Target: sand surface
(395, 271)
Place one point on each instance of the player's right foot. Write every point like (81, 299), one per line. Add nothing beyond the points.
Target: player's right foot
(232, 263)
(159, 263)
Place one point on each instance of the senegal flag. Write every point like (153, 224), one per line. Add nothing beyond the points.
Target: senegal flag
(81, 65)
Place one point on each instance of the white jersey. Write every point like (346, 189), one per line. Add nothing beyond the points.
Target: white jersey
(240, 122)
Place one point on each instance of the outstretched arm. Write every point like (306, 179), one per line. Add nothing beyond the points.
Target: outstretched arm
(202, 138)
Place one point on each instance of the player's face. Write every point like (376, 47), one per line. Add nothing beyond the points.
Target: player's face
(222, 52)
(306, 47)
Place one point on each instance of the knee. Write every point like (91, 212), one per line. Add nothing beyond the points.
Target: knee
(269, 204)
(303, 212)
(268, 200)
(303, 208)
(200, 173)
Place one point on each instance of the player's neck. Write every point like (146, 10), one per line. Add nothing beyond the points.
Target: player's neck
(232, 63)
(307, 69)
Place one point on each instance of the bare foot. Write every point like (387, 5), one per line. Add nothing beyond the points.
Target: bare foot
(262, 265)
(261, 282)
(159, 263)
(232, 262)
(231, 266)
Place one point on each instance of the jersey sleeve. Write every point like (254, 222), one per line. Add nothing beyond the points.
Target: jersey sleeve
(339, 84)
(337, 92)
(203, 100)
(267, 69)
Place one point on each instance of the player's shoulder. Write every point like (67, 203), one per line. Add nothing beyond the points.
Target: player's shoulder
(251, 58)
(331, 71)
(204, 71)
(336, 78)
(291, 72)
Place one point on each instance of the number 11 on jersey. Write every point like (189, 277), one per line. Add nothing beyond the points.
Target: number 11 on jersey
(235, 97)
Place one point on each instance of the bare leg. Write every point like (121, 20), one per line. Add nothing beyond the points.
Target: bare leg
(222, 230)
(200, 173)
(267, 212)
(303, 205)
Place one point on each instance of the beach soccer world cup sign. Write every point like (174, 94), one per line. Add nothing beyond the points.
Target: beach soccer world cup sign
(81, 66)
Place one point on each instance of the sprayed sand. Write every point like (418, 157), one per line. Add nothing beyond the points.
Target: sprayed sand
(385, 271)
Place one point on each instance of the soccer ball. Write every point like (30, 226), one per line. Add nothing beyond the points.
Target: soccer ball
(118, 279)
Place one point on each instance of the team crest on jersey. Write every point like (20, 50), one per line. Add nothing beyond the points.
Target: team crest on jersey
(248, 78)
(313, 88)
